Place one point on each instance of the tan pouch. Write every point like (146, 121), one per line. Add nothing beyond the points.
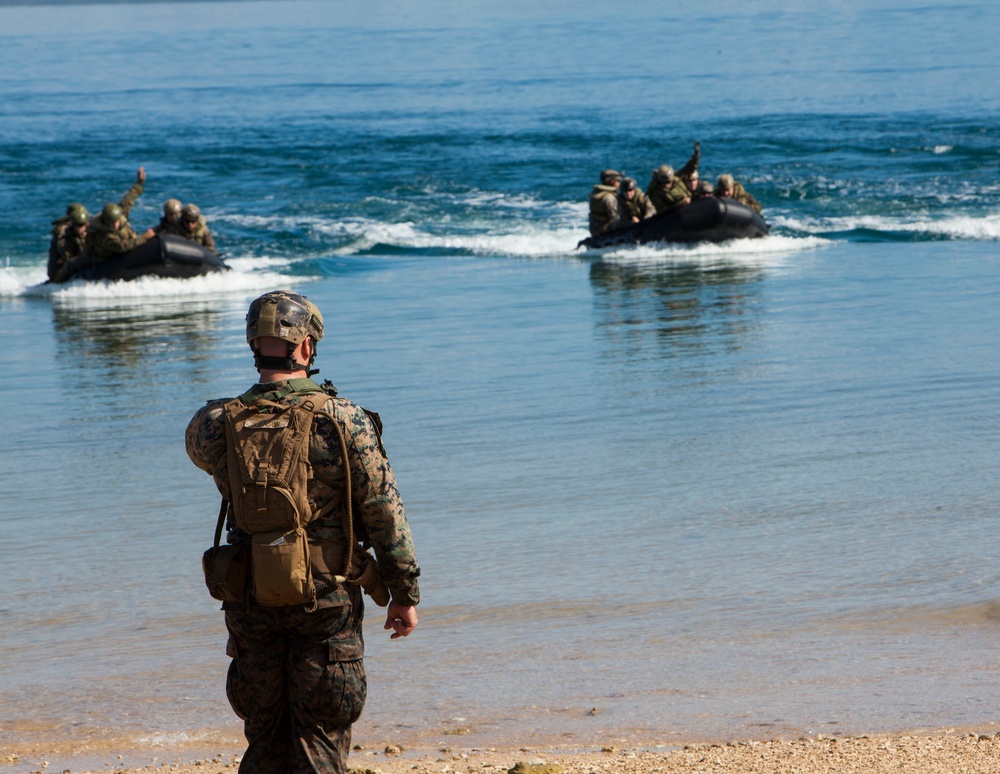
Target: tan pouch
(227, 572)
(281, 570)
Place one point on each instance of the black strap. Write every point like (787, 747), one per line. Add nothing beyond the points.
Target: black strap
(222, 520)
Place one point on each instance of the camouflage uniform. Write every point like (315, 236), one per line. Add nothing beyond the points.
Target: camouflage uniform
(603, 209)
(104, 242)
(65, 252)
(200, 234)
(741, 195)
(168, 227)
(297, 678)
(667, 197)
(639, 206)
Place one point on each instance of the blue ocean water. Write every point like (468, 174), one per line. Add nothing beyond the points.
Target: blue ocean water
(736, 490)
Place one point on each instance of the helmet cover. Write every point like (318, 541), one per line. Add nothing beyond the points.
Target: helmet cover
(191, 213)
(284, 315)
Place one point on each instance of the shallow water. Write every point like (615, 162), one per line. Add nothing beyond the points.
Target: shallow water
(717, 491)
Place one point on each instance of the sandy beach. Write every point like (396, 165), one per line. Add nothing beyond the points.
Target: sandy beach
(955, 751)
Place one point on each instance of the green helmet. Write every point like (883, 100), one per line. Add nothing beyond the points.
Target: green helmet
(74, 206)
(289, 317)
(191, 213)
(79, 217)
(172, 207)
(111, 213)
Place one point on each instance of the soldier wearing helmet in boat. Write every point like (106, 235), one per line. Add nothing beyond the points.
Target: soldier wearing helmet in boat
(110, 232)
(730, 188)
(667, 189)
(633, 204)
(702, 190)
(193, 227)
(604, 203)
(170, 222)
(69, 240)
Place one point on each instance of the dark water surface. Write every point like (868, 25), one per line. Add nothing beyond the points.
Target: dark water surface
(723, 491)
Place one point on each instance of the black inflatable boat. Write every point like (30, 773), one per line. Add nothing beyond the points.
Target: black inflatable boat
(711, 219)
(165, 255)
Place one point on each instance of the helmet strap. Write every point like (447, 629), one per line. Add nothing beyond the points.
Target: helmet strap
(287, 363)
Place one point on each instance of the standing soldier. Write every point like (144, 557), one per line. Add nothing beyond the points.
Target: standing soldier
(604, 203)
(193, 227)
(289, 453)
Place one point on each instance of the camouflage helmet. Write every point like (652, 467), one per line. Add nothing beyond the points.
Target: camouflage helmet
(609, 176)
(191, 213)
(284, 315)
(703, 189)
(74, 206)
(289, 317)
(664, 174)
(79, 217)
(725, 182)
(629, 184)
(172, 207)
(111, 213)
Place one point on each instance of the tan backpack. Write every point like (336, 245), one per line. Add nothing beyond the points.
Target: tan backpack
(267, 445)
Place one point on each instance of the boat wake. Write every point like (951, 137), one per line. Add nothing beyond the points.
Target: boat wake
(248, 275)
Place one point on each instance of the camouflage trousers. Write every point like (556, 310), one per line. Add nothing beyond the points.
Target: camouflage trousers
(297, 680)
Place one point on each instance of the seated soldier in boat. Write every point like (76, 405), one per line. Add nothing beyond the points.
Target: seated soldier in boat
(729, 187)
(69, 237)
(603, 201)
(633, 204)
(668, 190)
(110, 232)
(702, 190)
(194, 227)
(170, 222)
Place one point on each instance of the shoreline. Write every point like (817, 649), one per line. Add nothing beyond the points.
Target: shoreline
(969, 750)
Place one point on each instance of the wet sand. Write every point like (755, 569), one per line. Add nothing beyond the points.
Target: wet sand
(948, 750)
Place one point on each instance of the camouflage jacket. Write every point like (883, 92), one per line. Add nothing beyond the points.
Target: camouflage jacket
(129, 199)
(167, 227)
(741, 195)
(201, 235)
(603, 209)
(379, 518)
(103, 242)
(666, 198)
(685, 172)
(66, 249)
(639, 206)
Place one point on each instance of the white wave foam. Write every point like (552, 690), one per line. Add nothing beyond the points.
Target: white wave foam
(960, 227)
(768, 251)
(30, 282)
